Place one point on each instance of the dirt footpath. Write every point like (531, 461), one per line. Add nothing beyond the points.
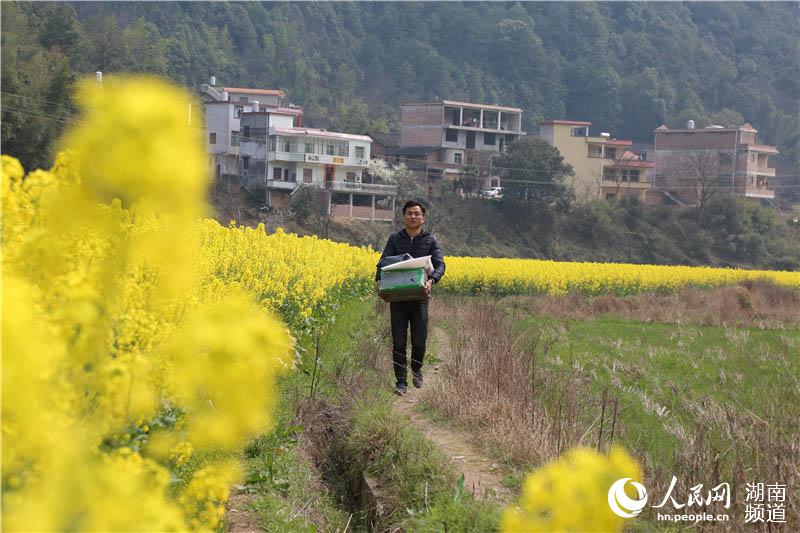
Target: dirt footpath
(482, 477)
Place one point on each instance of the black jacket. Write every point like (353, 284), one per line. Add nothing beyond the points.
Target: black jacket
(420, 246)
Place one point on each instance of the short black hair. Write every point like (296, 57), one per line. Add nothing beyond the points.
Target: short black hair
(413, 203)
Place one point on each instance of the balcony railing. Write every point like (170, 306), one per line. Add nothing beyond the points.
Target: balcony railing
(487, 125)
(281, 184)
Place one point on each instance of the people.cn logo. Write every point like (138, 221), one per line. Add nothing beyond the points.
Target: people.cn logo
(621, 504)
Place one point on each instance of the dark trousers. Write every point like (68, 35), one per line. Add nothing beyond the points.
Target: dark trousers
(402, 314)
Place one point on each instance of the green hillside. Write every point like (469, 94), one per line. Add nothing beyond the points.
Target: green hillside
(627, 67)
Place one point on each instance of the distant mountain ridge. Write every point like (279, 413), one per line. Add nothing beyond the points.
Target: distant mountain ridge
(627, 67)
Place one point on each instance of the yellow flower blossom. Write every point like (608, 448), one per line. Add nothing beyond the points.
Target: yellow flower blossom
(571, 493)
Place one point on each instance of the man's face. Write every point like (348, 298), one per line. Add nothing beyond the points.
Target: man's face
(413, 217)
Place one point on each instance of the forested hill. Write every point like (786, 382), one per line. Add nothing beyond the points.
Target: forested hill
(627, 67)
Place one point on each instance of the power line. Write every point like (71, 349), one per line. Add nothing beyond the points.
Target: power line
(59, 118)
(68, 120)
(42, 100)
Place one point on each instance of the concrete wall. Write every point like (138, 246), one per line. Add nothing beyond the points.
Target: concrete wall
(317, 171)
(575, 150)
(262, 99)
(219, 120)
(228, 164)
(696, 140)
(281, 121)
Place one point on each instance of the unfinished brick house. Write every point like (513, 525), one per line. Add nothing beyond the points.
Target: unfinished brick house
(439, 138)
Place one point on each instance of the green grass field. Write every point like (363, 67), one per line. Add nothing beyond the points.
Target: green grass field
(671, 378)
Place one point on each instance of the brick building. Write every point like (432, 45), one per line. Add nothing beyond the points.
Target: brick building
(439, 138)
(728, 159)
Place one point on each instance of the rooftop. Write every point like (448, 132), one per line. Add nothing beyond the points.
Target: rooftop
(493, 107)
(291, 111)
(565, 122)
(711, 128)
(270, 92)
(323, 133)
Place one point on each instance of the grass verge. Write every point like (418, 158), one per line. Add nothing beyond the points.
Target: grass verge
(335, 425)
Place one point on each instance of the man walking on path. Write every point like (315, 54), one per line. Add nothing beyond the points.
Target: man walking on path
(411, 240)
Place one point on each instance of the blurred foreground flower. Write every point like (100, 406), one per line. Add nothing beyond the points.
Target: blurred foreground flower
(571, 493)
(115, 351)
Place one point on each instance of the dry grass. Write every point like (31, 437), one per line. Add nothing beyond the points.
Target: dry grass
(521, 400)
(750, 304)
(491, 383)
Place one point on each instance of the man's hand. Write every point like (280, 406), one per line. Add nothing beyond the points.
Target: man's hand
(384, 297)
(428, 285)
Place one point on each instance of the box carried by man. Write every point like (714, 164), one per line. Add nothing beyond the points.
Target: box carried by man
(403, 278)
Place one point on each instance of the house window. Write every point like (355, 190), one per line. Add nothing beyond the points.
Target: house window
(243, 99)
(237, 111)
(458, 157)
(351, 176)
(725, 159)
(488, 139)
(234, 138)
(245, 163)
(309, 149)
(633, 175)
(583, 131)
(329, 149)
(307, 175)
(272, 144)
(359, 152)
(753, 157)
(212, 138)
(276, 173)
(344, 150)
(608, 174)
(611, 153)
(450, 135)
(285, 174)
(246, 132)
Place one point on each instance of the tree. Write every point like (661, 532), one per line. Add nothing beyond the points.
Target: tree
(107, 47)
(60, 29)
(534, 173)
(703, 172)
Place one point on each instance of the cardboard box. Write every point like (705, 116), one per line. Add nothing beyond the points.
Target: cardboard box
(404, 285)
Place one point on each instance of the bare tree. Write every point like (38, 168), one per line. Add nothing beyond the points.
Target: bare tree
(699, 174)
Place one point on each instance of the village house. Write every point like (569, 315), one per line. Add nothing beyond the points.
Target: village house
(438, 138)
(604, 167)
(223, 110)
(692, 162)
(267, 145)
